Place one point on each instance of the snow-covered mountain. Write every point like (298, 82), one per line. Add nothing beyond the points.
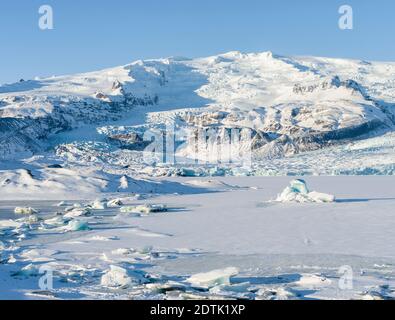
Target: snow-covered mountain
(304, 112)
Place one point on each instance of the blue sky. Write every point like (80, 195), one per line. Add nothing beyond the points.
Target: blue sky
(91, 34)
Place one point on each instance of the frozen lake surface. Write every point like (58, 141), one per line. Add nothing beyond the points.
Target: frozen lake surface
(281, 250)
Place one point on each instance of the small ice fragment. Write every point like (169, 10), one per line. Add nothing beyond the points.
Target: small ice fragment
(217, 172)
(213, 278)
(116, 277)
(144, 209)
(34, 218)
(162, 288)
(29, 271)
(77, 225)
(77, 213)
(25, 210)
(321, 197)
(100, 238)
(274, 294)
(57, 221)
(224, 289)
(11, 259)
(123, 183)
(61, 204)
(38, 255)
(114, 203)
(146, 250)
(98, 205)
(312, 280)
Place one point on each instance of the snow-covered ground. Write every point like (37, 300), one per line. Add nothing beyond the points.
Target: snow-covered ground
(274, 250)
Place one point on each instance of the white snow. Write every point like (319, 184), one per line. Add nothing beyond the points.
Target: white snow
(281, 250)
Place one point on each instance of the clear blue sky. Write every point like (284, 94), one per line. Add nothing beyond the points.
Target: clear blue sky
(93, 34)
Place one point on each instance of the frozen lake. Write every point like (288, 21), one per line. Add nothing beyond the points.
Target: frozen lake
(234, 223)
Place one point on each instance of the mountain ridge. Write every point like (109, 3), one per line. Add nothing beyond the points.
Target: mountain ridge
(292, 105)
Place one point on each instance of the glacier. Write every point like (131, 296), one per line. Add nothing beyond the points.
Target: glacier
(303, 113)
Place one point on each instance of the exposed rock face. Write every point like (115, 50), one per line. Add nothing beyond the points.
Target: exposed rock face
(21, 136)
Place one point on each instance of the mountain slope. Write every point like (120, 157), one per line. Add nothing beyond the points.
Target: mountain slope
(292, 105)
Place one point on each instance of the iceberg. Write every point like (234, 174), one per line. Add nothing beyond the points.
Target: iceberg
(297, 191)
(213, 278)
